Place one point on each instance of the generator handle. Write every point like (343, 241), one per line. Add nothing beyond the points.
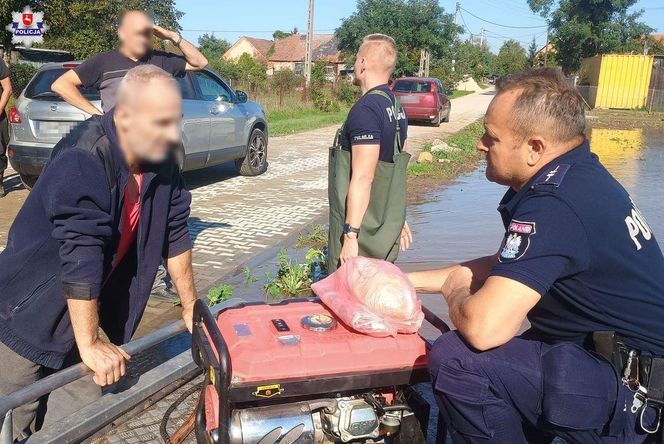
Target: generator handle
(434, 320)
(217, 364)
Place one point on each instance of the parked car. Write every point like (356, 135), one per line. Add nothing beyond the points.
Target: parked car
(423, 98)
(219, 124)
(493, 78)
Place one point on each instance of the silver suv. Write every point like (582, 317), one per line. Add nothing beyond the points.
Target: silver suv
(219, 124)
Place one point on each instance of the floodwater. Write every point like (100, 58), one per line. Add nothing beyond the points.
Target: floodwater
(461, 221)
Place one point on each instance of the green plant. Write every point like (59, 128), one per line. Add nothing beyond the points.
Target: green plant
(220, 293)
(323, 102)
(294, 279)
(20, 74)
(249, 277)
(347, 93)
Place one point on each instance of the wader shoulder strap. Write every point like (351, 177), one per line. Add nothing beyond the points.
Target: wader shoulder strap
(396, 106)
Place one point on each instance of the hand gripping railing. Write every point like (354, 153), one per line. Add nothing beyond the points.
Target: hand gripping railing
(50, 383)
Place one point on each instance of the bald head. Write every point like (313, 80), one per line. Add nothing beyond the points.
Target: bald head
(376, 60)
(134, 33)
(381, 52)
(148, 113)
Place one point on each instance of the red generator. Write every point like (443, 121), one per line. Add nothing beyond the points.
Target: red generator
(292, 373)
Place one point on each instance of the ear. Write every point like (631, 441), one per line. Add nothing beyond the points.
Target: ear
(536, 150)
(122, 117)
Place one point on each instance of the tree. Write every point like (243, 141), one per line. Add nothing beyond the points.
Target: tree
(278, 34)
(252, 72)
(532, 53)
(584, 28)
(511, 58)
(474, 60)
(212, 47)
(414, 25)
(284, 80)
(76, 25)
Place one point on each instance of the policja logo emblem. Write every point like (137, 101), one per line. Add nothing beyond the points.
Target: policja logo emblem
(517, 240)
(27, 27)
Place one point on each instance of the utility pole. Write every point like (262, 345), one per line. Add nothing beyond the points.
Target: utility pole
(482, 31)
(310, 36)
(456, 13)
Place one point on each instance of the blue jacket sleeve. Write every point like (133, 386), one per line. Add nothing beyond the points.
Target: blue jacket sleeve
(177, 236)
(77, 199)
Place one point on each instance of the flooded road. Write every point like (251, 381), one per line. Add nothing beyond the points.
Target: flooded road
(460, 221)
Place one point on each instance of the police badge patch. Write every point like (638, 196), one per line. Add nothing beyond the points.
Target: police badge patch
(517, 240)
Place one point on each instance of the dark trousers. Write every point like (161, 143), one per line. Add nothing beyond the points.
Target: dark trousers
(17, 372)
(530, 392)
(4, 141)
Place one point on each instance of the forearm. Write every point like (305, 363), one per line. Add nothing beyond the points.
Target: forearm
(432, 281)
(4, 98)
(84, 320)
(359, 193)
(181, 271)
(72, 95)
(192, 55)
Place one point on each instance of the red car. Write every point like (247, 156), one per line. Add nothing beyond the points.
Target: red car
(423, 98)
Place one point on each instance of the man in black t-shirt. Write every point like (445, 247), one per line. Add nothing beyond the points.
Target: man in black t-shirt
(369, 134)
(105, 70)
(5, 93)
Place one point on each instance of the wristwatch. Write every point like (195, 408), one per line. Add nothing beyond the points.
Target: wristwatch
(348, 229)
(179, 40)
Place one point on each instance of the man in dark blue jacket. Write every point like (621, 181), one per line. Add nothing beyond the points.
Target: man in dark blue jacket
(84, 250)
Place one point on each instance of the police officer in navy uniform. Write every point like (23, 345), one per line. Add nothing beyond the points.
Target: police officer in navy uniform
(580, 262)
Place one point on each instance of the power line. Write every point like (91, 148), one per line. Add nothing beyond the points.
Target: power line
(245, 30)
(503, 26)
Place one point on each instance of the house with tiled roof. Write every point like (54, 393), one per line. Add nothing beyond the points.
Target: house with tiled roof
(289, 53)
(257, 48)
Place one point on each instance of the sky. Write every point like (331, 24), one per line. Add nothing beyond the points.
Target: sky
(260, 18)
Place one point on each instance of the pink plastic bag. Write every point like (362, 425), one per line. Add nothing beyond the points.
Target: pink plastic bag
(373, 297)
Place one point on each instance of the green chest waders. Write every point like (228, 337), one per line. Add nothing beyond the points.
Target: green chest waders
(385, 217)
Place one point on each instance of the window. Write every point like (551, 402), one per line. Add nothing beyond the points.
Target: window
(299, 68)
(186, 87)
(413, 87)
(211, 89)
(329, 69)
(40, 87)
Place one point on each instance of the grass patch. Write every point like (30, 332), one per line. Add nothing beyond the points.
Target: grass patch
(314, 237)
(449, 164)
(289, 121)
(458, 93)
(294, 279)
(220, 293)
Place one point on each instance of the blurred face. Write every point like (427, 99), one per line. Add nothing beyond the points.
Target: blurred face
(135, 33)
(509, 157)
(149, 121)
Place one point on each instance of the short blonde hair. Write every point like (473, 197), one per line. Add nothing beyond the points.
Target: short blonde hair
(385, 48)
(140, 76)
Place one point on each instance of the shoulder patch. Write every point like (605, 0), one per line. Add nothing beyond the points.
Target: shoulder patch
(517, 241)
(554, 176)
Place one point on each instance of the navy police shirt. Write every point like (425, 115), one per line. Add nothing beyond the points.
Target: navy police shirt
(372, 121)
(574, 235)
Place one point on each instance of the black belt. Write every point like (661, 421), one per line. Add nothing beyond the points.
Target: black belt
(642, 373)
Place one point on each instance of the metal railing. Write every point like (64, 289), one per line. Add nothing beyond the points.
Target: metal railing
(66, 376)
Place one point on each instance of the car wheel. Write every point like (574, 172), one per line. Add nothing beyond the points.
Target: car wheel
(436, 122)
(447, 114)
(28, 181)
(255, 161)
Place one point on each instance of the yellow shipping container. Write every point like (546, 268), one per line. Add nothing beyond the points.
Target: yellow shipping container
(617, 81)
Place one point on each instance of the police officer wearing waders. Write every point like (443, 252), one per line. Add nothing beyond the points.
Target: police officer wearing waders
(580, 262)
(367, 169)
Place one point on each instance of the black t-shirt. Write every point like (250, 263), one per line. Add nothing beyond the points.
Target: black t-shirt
(105, 70)
(574, 235)
(372, 121)
(4, 73)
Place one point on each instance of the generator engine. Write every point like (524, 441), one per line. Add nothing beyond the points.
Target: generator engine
(291, 373)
